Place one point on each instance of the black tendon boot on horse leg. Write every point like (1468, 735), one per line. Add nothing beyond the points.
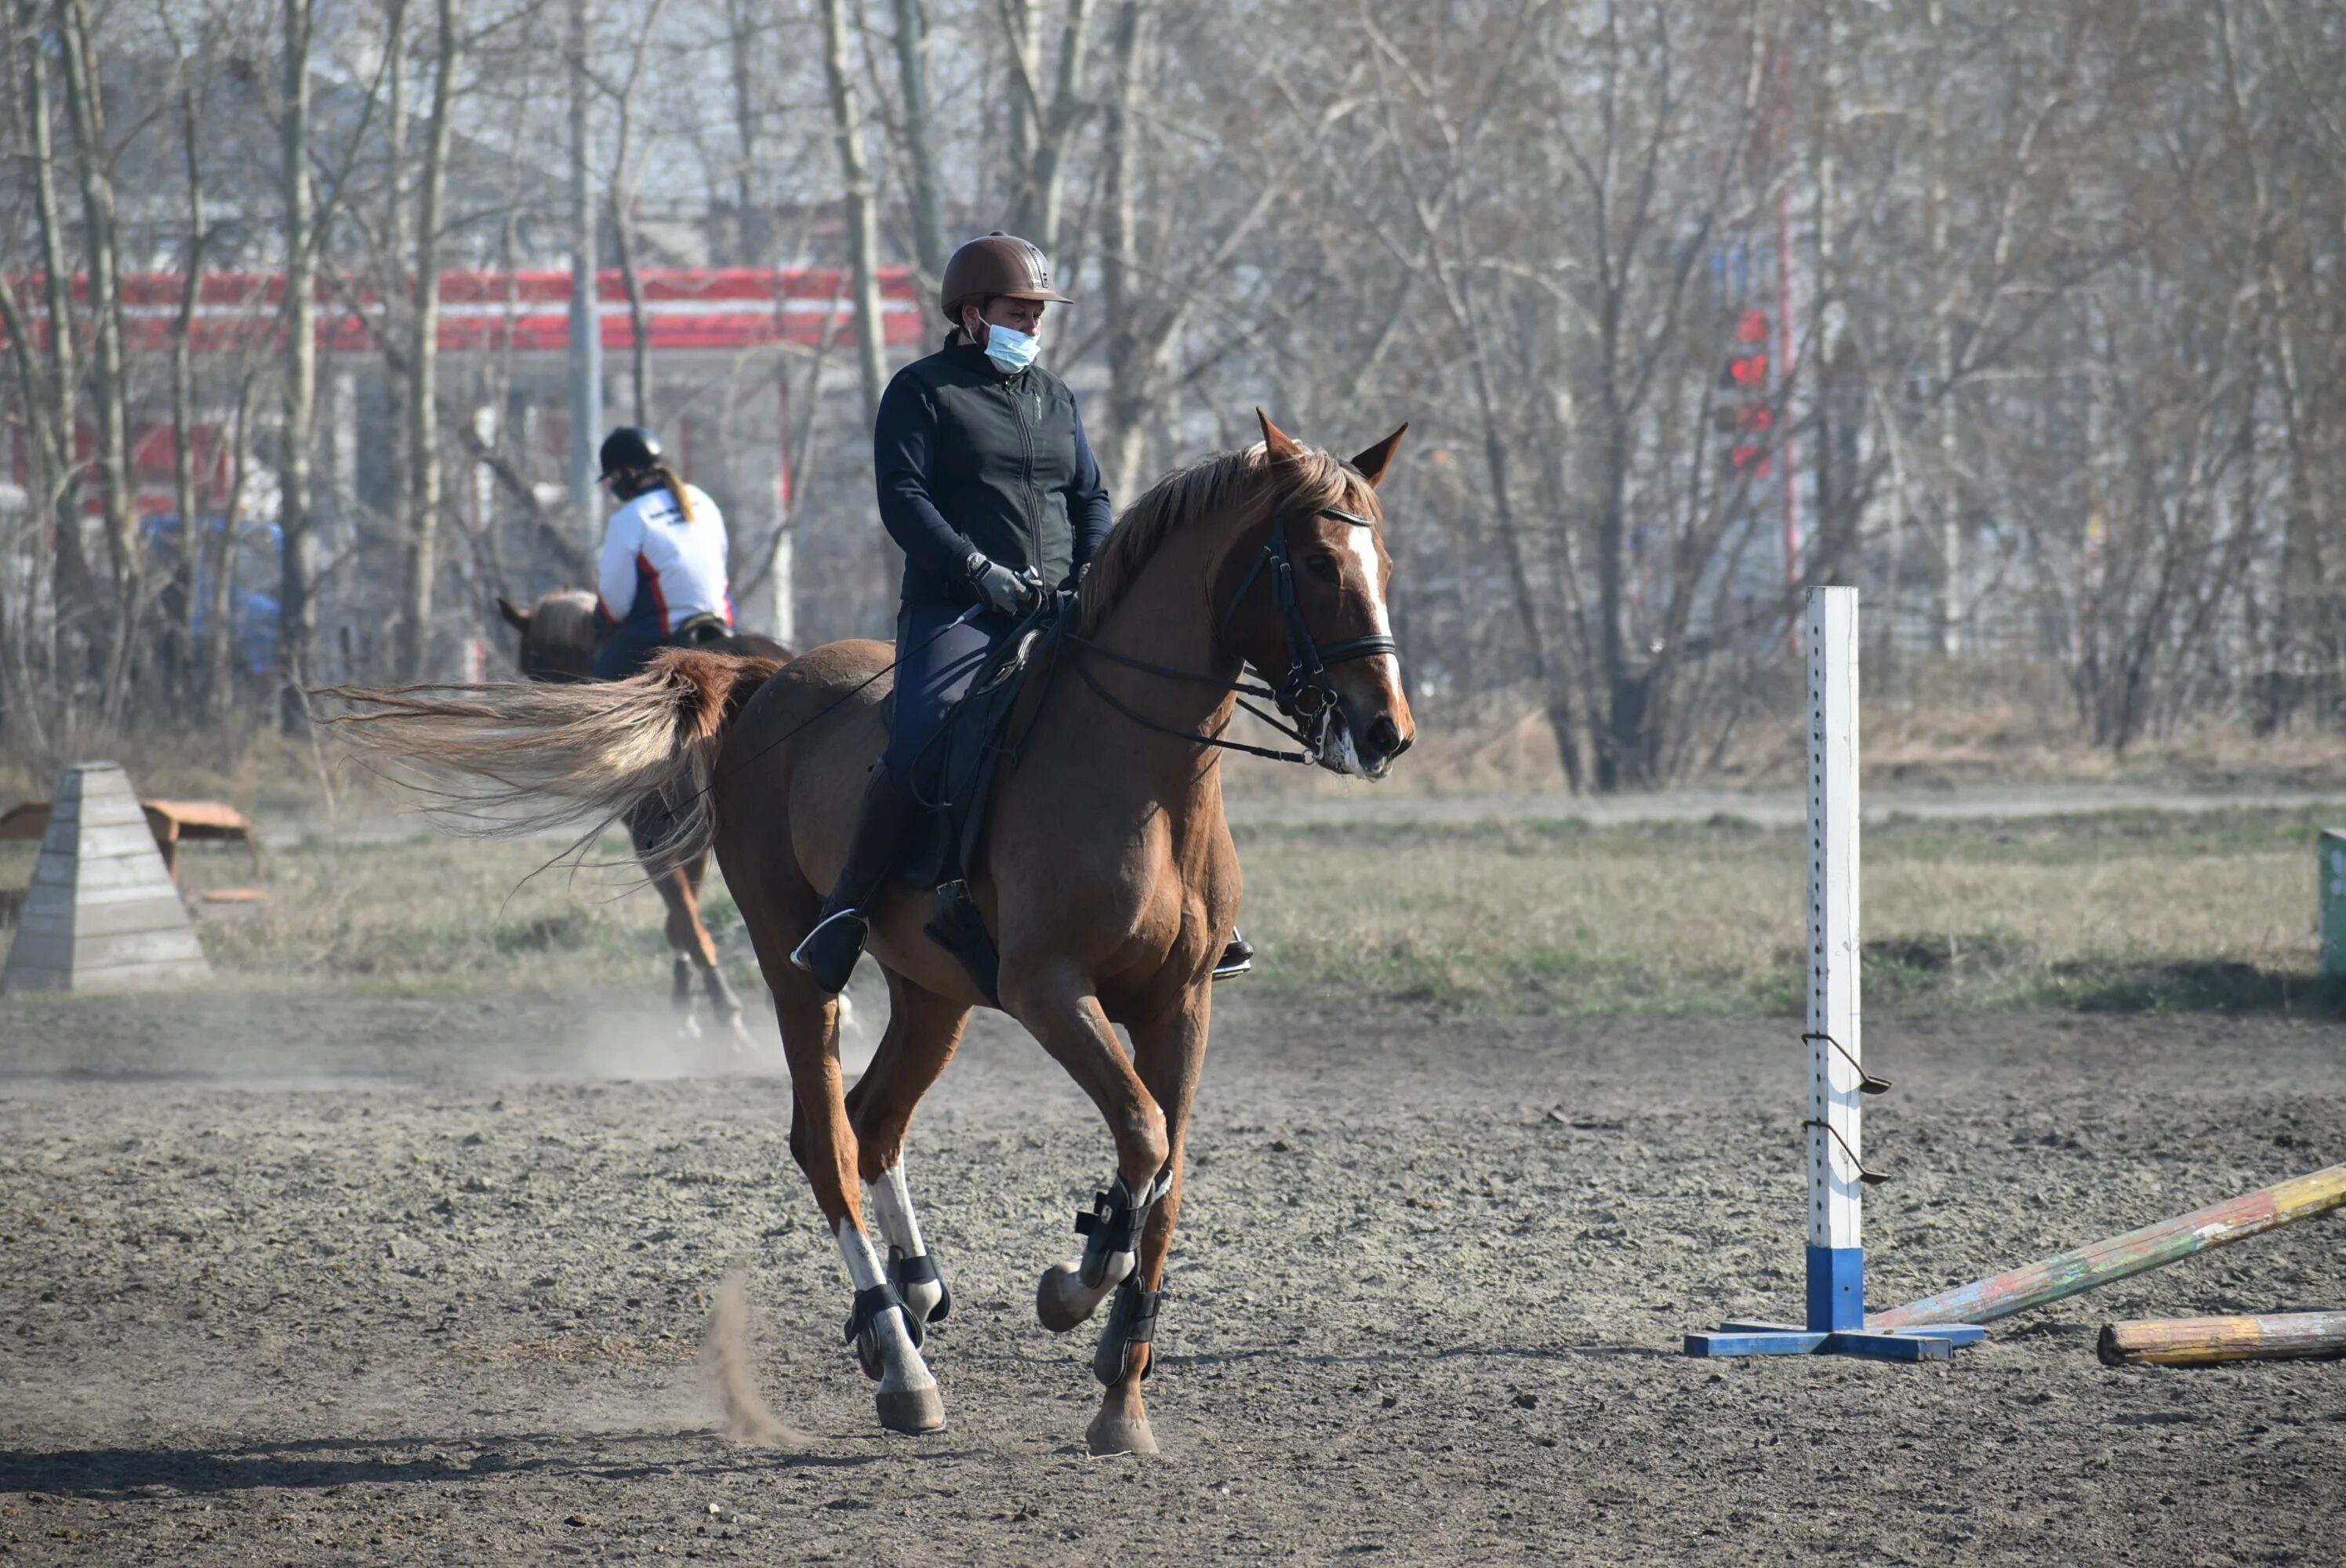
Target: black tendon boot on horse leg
(1071, 1292)
(830, 949)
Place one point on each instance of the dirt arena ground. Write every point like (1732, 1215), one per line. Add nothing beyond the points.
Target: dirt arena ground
(315, 1279)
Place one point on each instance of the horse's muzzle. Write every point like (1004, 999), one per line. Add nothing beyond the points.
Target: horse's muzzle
(1364, 749)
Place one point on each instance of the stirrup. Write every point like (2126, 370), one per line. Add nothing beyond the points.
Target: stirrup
(830, 958)
(1238, 958)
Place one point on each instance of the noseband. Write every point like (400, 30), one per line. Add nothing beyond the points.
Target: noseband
(1305, 695)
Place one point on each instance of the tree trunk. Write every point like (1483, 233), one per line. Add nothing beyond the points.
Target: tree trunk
(913, 76)
(749, 233)
(182, 605)
(75, 584)
(109, 368)
(1129, 363)
(585, 303)
(862, 229)
(220, 647)
(297, 607)
(423, 376)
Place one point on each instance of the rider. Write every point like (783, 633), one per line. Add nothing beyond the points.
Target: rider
(662, 578)
(988, 484)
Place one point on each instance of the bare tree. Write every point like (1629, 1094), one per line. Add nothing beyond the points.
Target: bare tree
(423, 452)
(862, 225)
(297, 606)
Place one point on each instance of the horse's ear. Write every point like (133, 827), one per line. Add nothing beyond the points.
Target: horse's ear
(1281, 446)
(517, 619)
(1373, 462)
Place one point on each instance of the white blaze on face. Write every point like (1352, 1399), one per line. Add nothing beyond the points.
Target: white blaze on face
(1362, 544)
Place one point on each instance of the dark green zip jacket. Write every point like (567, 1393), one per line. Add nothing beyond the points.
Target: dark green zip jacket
(972, 459)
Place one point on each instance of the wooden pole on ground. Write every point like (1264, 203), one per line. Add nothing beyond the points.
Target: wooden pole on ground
(2121, 1257)
(2203, 1341)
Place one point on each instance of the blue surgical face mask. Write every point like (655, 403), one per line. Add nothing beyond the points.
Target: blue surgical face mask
(1009, 348)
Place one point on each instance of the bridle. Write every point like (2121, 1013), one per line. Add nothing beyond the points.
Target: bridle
(1305, 695)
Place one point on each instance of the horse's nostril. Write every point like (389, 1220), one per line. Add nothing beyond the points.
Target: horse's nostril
(1384, 738)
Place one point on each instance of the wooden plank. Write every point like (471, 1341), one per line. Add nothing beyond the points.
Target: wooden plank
(28, 820)
(136, 947)
(48, 899)
(202, 818)
(108, 841)
(123, 871)
(107, 810)
(2083, 1268)
(40, 950)
(27, 978)
(48, 922)
(2204, 1342)
(121, 919)
(140, 976)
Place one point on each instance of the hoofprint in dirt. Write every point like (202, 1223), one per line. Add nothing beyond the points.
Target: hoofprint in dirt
(261, 1304)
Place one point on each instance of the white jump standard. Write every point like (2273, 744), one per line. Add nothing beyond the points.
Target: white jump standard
(1837, 1078)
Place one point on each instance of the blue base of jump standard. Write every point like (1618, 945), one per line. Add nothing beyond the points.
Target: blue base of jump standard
(1836, 1324)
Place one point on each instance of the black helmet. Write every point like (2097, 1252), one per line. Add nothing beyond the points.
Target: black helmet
(629, 447)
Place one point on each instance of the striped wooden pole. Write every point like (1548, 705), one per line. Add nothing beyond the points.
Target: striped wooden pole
(2203, 1341)
(2122, 1256)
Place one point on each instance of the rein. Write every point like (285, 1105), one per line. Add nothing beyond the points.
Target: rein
(1305, 695)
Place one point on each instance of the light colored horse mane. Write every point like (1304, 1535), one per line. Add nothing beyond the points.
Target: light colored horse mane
(1219, 483)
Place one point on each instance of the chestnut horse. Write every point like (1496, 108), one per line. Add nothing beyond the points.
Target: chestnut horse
(559, 639)
(1108, 878)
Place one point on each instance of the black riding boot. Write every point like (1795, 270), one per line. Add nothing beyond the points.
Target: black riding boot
(830, 949)
(1237, 958)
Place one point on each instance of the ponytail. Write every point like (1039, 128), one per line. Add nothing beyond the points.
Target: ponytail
(667, 476)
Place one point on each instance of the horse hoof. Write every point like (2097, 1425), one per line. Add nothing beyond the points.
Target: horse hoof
(1119, 1433)
(912, 1410)
(1062, 1301)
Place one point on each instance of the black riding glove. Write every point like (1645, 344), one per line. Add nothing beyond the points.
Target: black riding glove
(998, 589)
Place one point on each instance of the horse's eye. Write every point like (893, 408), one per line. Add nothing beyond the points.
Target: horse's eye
(1324, 568)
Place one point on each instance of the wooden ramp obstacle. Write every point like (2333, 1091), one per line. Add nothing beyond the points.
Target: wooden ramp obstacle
(101, 910)
(173, 823)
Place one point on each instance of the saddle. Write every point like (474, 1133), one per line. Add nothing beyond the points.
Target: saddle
(700, 630)
(953, 780)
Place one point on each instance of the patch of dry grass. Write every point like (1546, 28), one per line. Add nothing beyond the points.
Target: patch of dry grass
(2121, 909)
(1560, 918)
(438, 913)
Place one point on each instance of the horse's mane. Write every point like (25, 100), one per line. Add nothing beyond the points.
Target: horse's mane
(1220, 483)
(565, 619)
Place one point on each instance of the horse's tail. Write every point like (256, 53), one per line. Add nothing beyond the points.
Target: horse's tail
(508, 760)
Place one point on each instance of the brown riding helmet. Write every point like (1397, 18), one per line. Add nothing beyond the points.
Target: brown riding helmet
(999, 264)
